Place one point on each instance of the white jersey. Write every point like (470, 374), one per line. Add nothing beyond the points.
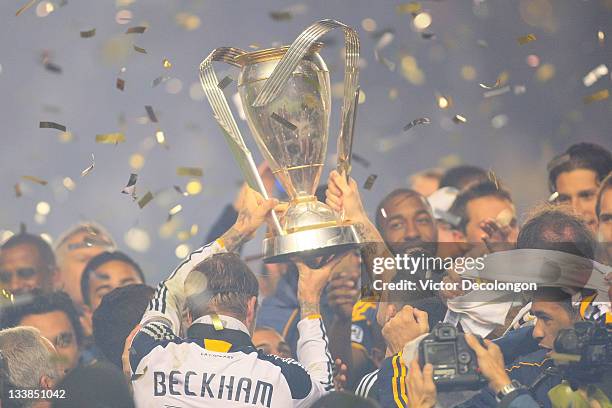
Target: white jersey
(220, 368)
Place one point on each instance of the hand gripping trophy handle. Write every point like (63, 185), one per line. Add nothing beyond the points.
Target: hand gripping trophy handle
(228, 125)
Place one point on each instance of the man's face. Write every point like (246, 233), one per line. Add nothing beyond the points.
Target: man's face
(56, 327)
(552, 317)
(605, 223)
(23, 270)
(109, 276)
(578, 188)
(271, 342)
(408, 224)
(71, 263)
(489, 207)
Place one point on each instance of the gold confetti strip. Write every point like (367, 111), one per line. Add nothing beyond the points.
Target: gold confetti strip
(594, 75)
(494, 86)
(140, 49)
(25, 7)
(597, 96)
(408, 8)
(459, 119)
(225, 82)
(110, 138)
(52, 125)
(136, 30)
(120, 84)
(189, 171)
(88, 34)
(35, 180)
(526, 39)
(370, 181)
(17, 190)
(283, 122)
(146, 199)
(90, 168)
(419, 121)
(159, 80)
(180, 191)
(174, 210)
(167, 64)
(444, 102)
(151, 114)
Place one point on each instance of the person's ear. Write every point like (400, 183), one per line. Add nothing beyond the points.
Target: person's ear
(46, 382)
(251, 313)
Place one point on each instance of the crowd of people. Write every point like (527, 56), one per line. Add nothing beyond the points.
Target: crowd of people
(82, 327)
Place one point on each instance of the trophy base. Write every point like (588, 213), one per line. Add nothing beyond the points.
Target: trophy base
(310, 243)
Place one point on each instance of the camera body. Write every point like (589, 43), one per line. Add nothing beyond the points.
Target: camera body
(584, 352)
(454, 363)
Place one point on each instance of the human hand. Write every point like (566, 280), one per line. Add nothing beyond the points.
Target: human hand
(340, 375)
(344, 196)
(497, 235)
(454, 278)
(490, 362)
(421, 388)
(311, 283)
(408, 324)
(125, 356)
(268, 181)
(343, 291)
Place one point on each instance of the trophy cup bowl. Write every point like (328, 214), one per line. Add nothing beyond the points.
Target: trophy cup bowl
(291, 133)
(285, 94)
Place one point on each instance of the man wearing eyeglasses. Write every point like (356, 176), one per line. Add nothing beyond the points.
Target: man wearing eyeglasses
(55, 316)
(27, 262)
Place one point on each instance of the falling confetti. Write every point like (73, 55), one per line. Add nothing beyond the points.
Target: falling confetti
(444, 102)
(179, 190)
(136, 30)
(90, 168)
(280, 15)
(139, 49)
(25, 7)
(494, 86)
(173, 211)
(496, 92)
(35, 180)
(361, 160)
(526, 39)
(419, 121)
(428, 36)
(408, 8)
(160, 137)
(597, 96)
(88, 34)
(383, 212)
(225, 82)
(110, 138)
(146, 199)
(370, 181)
(601, 36)
(159, 80)
(52, 125)
(459, 119)
(595, 74)
(553, 197)
(493, 178)
(151, 114)
(166, 64)
(17, 190)
(51, 67)
(283, 122)
(120, 84)
(130, 188)
(189, 171)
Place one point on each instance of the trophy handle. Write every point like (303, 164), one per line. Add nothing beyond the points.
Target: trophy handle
(226, 121)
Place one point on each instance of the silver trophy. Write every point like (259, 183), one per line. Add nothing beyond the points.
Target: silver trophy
(286, 97)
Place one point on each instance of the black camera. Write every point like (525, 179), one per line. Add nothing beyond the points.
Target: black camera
(583, 353)
(454, 363)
